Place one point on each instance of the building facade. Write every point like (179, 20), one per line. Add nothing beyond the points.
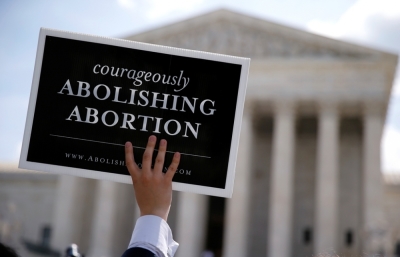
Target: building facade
(308, 178)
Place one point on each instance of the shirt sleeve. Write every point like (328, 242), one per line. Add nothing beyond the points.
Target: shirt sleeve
(153, 233)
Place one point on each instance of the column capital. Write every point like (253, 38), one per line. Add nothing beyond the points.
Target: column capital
(373, 108)
(286, 107)
(248, 108)
(328, 107)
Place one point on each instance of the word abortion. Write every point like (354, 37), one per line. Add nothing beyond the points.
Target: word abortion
(110, 119)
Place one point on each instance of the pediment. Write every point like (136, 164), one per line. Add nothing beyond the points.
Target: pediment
(227, 32)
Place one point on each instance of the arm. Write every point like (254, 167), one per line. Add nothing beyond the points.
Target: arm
(153, 190)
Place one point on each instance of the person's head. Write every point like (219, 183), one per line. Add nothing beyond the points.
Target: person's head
(6, 251)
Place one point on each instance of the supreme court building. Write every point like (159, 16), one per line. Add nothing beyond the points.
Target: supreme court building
(308, 178)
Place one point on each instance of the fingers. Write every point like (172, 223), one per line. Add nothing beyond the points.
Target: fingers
(147, 158)
(148, 153)
(130, 159)
(173, 166)
(158, 166)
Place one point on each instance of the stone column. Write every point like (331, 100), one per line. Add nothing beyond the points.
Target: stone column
(280, 218)
(326, 211)
(372, 181)
(191, 226)
(237, 208)
(69, 209)
(103, 220)
(124, 223)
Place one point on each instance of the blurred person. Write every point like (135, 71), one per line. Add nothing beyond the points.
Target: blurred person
(72, 251)
(152, 237)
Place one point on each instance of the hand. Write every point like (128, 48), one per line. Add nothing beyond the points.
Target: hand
(153, 188)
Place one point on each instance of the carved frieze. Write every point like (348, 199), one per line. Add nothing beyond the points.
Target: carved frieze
(231, 38)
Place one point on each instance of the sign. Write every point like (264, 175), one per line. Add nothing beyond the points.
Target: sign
(92, 94)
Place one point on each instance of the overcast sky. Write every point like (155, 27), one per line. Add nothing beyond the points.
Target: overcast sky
(374, 23)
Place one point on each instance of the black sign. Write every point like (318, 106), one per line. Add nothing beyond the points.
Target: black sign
(90, 95)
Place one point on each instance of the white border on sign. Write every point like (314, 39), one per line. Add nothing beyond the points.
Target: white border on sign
(245, 62)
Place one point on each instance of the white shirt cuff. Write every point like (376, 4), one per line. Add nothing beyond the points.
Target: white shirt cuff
(153, 233)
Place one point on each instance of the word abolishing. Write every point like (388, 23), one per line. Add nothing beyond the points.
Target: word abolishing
(143, 98)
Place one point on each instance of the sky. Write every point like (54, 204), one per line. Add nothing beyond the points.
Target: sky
(372, 23)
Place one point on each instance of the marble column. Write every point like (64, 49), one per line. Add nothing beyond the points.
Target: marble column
(191, 226)
(372, 181)
(124, 223)
(236, 214)
(327, 177)
(281, 194)
(70, 208)
(104, 216)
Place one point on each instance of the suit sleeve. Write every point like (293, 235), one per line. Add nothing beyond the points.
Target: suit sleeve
(138, 252)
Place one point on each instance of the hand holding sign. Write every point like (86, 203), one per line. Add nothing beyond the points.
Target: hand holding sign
(153, 188)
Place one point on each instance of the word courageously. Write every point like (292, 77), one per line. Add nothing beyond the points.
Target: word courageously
(140, 76)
